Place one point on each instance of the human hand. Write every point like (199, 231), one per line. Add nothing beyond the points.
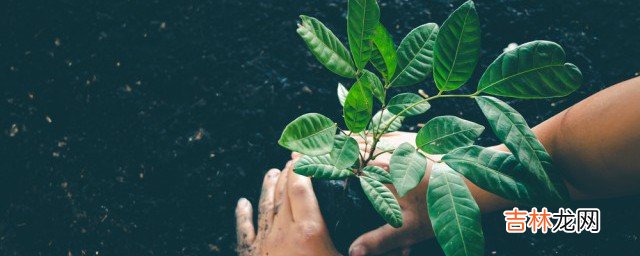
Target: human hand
(416, 227)
(289, 220)
(392, 139)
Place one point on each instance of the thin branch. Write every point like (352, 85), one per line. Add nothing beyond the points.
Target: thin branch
(432, 160)
(383, 152)
(440, 95)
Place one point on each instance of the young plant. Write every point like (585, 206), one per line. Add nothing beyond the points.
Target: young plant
(533, 70)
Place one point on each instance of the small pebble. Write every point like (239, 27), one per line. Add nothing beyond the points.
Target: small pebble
(14, 130)
(510, 47)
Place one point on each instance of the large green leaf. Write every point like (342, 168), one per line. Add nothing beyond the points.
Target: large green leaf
(384, 119)
(377, 88)
(384, 57)
(531, 71)
(512, 129)
(378, 174)
(407, 167)
(345, 151)
(495, 171)
(310, 134)
(382, 200)
(415, 55)
(342, 94)
(320, 167)
(358, 106)
(457, 48)
(326, 47)
(454, 214)
(363, 17)
(445, 133)
(408, 104)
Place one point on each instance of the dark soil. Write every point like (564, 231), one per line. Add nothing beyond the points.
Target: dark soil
(133, 127)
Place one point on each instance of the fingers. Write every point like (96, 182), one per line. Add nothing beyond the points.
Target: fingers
(387, 239)
(282, 209)
(365, 146)
(304, 204)
(382, 240)
(295, 155)
(267, 200)
(244, 223)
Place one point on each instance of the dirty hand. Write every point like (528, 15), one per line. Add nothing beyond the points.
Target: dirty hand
(416, 227)
(289, 222)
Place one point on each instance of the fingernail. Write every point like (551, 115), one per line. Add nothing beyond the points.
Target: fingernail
(242, 202)
(273, 173)
(357, 251)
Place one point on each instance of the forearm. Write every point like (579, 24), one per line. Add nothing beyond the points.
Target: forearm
(487, 201)
(594, 144)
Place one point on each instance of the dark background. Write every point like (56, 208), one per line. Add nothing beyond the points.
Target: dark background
(133, 127)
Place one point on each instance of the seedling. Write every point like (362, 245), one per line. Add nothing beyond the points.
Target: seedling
(449, 54)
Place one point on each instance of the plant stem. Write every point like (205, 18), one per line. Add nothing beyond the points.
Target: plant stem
(383, 152)
(376, 130)
(440, 95)
(378, 135)
(343, 132)
(432, 160)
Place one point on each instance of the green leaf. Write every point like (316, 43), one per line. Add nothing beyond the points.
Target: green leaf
(512, 129)
(454, 214)
(358, 106)
(382, 200)
(377, 88)
(445, 133)
(378, 174)
(342, 94)
(495, 171)
(457, 48)
(326, 47)
(407, 167)
(383, 119)
(310, 134)
(384, 57)
(408, 104)
(531, 71)
(320, 167)
(415, 55)
(362, 18)
(345, 151)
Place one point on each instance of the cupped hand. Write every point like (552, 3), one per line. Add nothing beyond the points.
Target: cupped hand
(416, 228)
(289, 220)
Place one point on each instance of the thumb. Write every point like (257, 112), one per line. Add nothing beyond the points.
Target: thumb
(381, 240)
